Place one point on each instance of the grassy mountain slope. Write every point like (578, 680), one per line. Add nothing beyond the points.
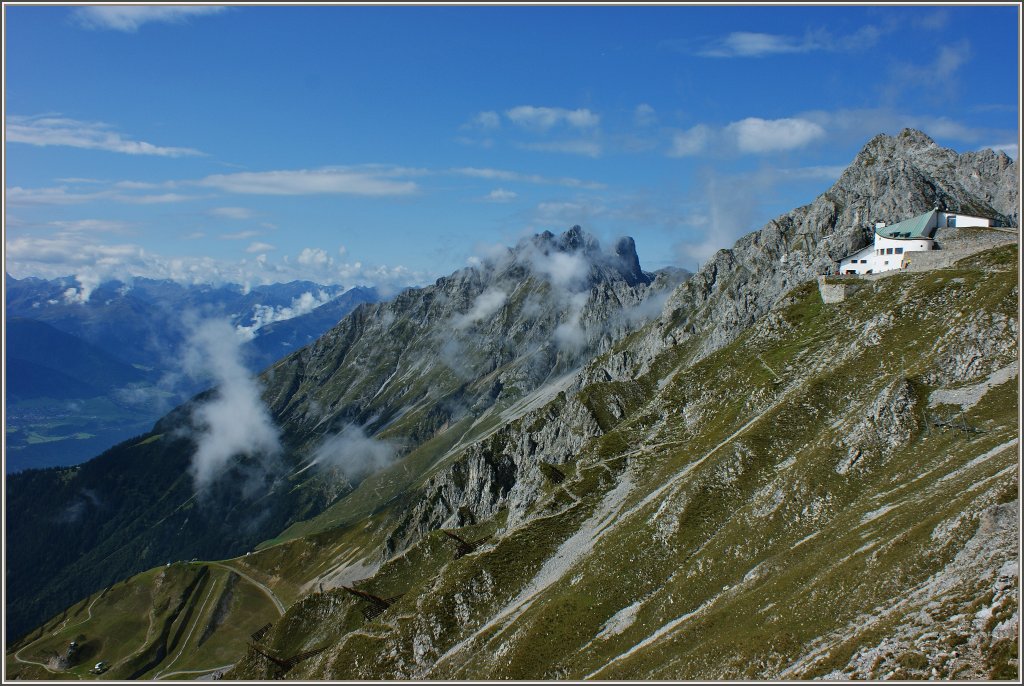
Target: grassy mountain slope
(171, 621)
(786, 507)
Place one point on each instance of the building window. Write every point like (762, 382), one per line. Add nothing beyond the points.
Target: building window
(887, 262)
(888, 251)
(899, 251)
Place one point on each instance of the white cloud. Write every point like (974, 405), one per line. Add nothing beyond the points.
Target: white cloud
(485, 120)
(266, 314)
(544, 118)
(693, 141)
(371, 181)
(573, 147)
(240, 235)
(759, 44)
(644, 115)
(61, 195)
(501, 195)
(130, 18)
(769, 135)
(315, 257)
(60, 131)
(354, 453)
(570, 334)
(485, 305)
(231, 212)
(260, 247)
(234, 421)
(92, 226)
(505, 175)
(937, 74)
(751, 44)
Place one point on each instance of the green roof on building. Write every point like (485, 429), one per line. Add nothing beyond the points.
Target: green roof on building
(916, 227)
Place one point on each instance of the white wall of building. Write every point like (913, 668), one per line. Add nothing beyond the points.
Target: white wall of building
(961, 220)
(886, 254)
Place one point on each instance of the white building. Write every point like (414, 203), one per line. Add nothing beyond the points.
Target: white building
(892, 243)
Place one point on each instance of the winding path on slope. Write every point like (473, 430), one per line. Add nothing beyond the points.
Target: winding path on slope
(266, 591)
(19, 658)
(191, 630)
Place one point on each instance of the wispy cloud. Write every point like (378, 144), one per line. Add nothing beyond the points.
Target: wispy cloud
(506, 175)
(62, 195)
(487, 120)
(369, 181)
(501, 195)
(940, 73)
(644, 115)
(130, 18)
(258, 247)
(693, 141)
(587, 148)
(92, 226)
(62, 131)
(544, 118)
(240, 235)
(754, 44)
(231, 212)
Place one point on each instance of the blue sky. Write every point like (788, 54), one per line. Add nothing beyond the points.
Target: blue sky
(389, 145)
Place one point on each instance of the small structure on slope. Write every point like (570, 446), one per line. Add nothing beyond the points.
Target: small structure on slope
(376, 605)
(891, 245)
(462, 546)
(285, 665)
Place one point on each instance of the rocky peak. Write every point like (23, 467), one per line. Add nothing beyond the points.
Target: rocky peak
(622, 262)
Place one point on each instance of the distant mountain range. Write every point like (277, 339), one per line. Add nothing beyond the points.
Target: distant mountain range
(84, 375)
